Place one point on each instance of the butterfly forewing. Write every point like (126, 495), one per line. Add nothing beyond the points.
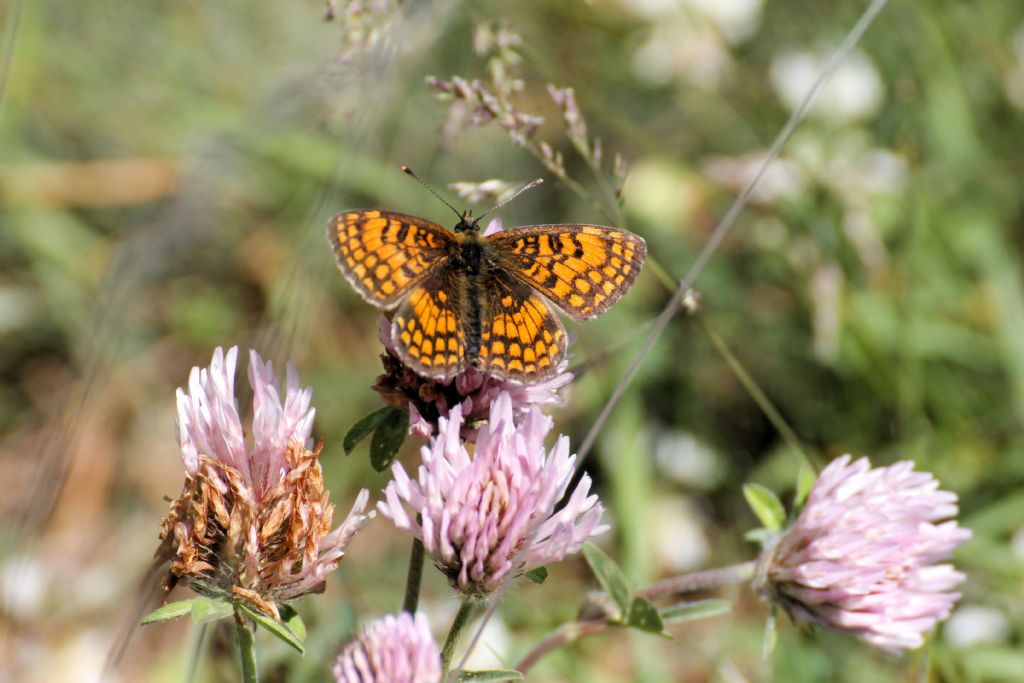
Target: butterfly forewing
(427, 328)
(583, 269)
(521, 338)
(384, 255)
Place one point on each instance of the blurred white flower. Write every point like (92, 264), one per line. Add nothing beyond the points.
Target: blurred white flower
(855, 91)
(783, 178)
(680, 543)
(827, 283)
(680, 49)
(663, 194)
(475, 192)
(857, 173)
(883, 171)
(973, 625)
(846, 164)
(736, 19)
(651, 9)
(685, 460)
(24, 584)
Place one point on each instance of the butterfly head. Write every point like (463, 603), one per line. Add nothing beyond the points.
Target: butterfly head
(467, 223)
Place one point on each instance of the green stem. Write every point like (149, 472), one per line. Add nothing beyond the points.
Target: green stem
(244, 630)
(562, 636)
(700, 581)
(415, 577)
(462, 618)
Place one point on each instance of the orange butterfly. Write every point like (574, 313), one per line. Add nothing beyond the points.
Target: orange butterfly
(463, 299)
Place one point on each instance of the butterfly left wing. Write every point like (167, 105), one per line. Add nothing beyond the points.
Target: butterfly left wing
(385, 254)
(426, 328)
(521, 338)
(583, 269)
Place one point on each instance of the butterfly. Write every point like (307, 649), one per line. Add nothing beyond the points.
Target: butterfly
(460, 298)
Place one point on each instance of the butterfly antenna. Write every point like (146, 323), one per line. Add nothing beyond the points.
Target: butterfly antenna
(503, 202)
(409, 172)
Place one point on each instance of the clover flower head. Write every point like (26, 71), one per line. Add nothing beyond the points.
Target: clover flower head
(253, 518)
(395, 649)
(866, 555)
(492, 513)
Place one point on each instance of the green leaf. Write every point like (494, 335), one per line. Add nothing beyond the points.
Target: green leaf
(805, 478)
(491, 675)
(766, 505)
(644, 616)
(538, 575)
(361, 429)
(692, 611)
(171, 610)
(275, 627)
(389, 437)
(609, 576)
(759, 535)
(210, 609)
(771, 634)
(293, 621)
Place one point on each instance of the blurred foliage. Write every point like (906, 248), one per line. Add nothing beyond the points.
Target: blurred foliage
(166, 173)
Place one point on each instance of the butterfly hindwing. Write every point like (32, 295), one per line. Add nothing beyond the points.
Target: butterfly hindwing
(384, 255)
(521, 338)
(427, 328)
(583, 269)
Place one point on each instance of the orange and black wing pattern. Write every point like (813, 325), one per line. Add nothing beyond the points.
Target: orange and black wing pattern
(521, 338)
(583, 269)
(384, 255)
(427, 328)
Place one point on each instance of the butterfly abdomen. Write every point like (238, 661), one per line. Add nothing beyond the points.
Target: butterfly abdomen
(470, 265)
(473, 324)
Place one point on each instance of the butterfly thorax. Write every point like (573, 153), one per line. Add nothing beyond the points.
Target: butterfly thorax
(471, 255)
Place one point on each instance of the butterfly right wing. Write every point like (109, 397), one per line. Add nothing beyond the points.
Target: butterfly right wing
(582, 269)
(521, 338)
(384, 255)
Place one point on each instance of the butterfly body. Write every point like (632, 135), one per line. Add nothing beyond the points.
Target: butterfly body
(462, 298)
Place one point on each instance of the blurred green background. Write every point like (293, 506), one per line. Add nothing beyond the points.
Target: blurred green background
(166, 172)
